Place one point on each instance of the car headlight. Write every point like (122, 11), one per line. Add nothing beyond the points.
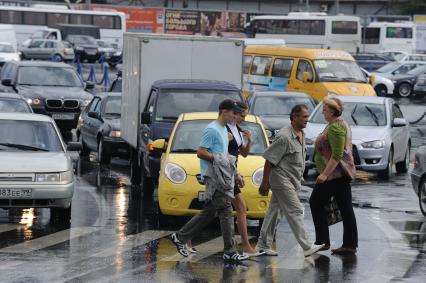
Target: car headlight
(115, 134)
(64, 177)
(175, 173)
(374, 144)
(117, 53)
(257, 177)
(33, 101)
(308, 141)
(15, 59)
(85, 102)
(67, 176)
(268, 133)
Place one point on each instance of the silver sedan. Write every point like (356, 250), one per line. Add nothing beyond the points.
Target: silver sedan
(380, 134)
(418, 177)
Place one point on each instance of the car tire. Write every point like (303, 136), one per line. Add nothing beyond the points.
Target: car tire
(422, 196)
(402, 166)
(104, 152)
(85, 151)
(387, 173)
(381, 90)
(58, 58)
(405, 90)
(60, 215)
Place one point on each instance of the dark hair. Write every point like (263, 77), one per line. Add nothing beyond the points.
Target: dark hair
(297, 109)
(242, 105)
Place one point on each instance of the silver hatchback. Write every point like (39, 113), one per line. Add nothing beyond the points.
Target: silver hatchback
(380, 134)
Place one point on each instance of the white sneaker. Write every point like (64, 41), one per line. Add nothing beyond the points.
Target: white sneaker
(257, 253)
(268, 252)
(191, 250)
(314, 248)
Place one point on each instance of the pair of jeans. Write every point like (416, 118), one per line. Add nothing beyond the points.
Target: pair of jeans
(340, 189)
(220, 205)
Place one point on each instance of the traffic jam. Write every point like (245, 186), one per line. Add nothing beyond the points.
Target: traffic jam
(150, 157)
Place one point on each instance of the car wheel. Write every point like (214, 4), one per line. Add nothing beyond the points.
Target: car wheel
(402, 167)
(85, 151)
(404, 90)
(387, 173)
(104, 152)
(422, 196)
(381, 90)
(57, 58)
(60, 215)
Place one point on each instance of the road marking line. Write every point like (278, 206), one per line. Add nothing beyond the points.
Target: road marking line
(9, 227)
(49, 240)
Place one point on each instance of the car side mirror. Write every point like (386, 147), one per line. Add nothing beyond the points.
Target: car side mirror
(372, 80)
(74, 146)
(159, 144)
(399, 122)
(146, 118)
(90, 85)
(305, 77)
(94, 115)
(6, 82)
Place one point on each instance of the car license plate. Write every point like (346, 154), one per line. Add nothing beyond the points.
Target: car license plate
(201, 196)
(16, 193)
(61, 116)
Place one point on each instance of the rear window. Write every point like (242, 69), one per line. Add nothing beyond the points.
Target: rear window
(344, 27)
(397, 32)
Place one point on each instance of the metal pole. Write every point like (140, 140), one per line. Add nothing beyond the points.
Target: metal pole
(337, 7)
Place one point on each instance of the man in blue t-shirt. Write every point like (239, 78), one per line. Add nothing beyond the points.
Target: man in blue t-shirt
(213, 141)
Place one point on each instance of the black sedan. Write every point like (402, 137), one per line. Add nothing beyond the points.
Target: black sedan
(404, 84)
(371, 61)
(274, 108)
(85, 47)
(51, 88)
(99, 128)
(10, 102)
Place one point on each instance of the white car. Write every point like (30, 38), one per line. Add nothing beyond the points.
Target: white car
(383, 86)
(8, 53)
(380, 134)
(36, 169)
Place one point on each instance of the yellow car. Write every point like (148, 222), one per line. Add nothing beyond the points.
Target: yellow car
(180, 189)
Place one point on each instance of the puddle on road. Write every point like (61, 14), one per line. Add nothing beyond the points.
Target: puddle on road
(413, 231)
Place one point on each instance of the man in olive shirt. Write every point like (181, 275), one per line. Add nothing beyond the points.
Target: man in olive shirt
(283, 172)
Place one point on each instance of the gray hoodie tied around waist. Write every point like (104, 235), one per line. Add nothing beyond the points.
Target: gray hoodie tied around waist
(220, 175)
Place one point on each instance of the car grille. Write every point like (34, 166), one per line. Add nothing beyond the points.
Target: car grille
(66, 104)
(355, 154)
(16, 177)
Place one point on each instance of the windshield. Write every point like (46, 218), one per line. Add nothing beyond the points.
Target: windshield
(357, 114)
(82, 40)
(103, 44)
(188, 135)
(14, 105)
(48, 76)
(388, 67)
(417, 71)
(338, 71)
(275, 105)
(6, 48)
(113, 106)
(172, 103)
(116, 86)
(28, 135)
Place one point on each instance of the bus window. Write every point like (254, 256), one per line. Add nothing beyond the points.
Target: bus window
(103, 22)
(35, 18)
(344, 27)
(80, 19)
(304, 66)
(261, 66)
(398, 32)
(56, 18)
(282, 68)
(370, 35)
(246, 64)
(10, 17)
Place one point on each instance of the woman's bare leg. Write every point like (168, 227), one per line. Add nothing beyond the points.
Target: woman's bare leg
(241, 209)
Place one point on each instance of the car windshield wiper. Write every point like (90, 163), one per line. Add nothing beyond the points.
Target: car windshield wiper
(184, 150)
(376, 119)
(353, 80)
(23, 146)
(113, 114)
(330, 78)
(352, 115)
(168, 118)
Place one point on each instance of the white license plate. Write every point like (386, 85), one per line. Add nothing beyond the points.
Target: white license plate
(16, 193)
(201, 196)
(61, 116)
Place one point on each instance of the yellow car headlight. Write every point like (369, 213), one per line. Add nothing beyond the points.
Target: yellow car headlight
(175, 173)
(257, 177)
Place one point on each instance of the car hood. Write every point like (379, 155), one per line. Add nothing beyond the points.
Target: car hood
(54, 92)
(114, 123)
(30, 162)
(359, 134)
(275, 122)
(346, 88)
(191, 163)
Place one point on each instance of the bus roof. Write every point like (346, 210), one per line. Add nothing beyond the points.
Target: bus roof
(299, 52)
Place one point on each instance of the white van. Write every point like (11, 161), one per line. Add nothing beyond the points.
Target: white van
(8, 34)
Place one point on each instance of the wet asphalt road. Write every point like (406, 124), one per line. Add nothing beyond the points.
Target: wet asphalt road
(114, 236)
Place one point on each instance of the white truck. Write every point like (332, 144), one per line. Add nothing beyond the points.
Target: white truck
(164, 76)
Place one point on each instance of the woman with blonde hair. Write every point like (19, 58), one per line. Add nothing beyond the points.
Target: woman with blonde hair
(334, 160)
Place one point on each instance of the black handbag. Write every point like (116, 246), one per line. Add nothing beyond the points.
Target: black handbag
(333, 212)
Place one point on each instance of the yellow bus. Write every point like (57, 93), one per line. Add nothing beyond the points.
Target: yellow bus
(317, 72)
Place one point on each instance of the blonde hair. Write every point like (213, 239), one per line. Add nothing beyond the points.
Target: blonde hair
(334, 104)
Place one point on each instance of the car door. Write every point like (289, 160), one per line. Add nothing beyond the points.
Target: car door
(86, 128)
(296, 82)
(34, 49)
(399, 134)
(281, 72)
(47, 50)
(95, 125)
